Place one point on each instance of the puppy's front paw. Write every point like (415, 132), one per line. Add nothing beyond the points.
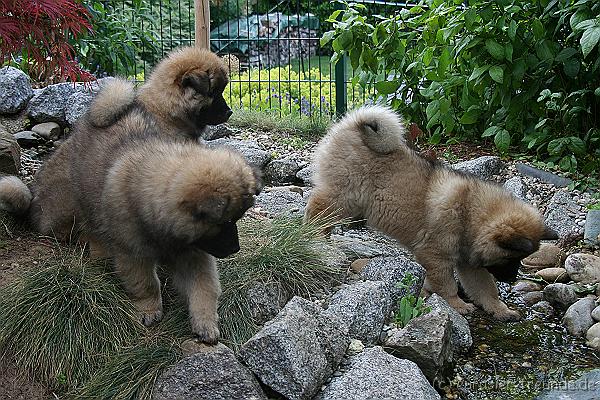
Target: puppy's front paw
(149, 312)
(206, 329)
(461, 306)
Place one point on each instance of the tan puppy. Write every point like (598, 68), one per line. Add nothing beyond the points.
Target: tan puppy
(183, 94)
(451, 221)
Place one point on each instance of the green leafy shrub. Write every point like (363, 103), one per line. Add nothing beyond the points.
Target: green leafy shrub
(523, 73)
(124, 37)
(409, 306)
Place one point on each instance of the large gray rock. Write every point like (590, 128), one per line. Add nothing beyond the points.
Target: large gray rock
(517, 187)
(578, 318)
(49, 104)
(544, 176)
(255, 156)
(425, 340)
(47, 130)
(77, 105)
(560, 295)
(305, 175)
(28, 139)
(276, 202)
(392, 270)
(592, 336)
(211, 374)
(484, 167)
(460, 338)
(10, 153)
(281, 171)
(366, 243)
(583, 268)
(584, 388)
(559, 214)
(15, 90)
(265, 301)
(374, 374)
(296, 352)
(15, 123)
(363, 307)
(213, 132)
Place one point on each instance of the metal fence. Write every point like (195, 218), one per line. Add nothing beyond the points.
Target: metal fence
(272, 48)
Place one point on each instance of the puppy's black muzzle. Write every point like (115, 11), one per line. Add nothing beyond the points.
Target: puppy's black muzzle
(505, 272)
(224, 244)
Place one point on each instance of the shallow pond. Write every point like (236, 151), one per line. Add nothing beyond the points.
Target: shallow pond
(518, 360)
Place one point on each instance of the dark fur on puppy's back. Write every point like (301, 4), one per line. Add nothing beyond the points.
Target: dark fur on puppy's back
(451, 221)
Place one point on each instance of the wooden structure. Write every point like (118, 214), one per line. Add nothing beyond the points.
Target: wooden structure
(202, 15)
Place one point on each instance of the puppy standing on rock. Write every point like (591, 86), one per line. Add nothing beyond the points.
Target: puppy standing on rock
(451, 221)
(137, 189)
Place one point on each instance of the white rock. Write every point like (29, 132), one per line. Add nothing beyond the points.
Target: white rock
(596, 313)
(578, 318)
(592, 336)
(583, 268)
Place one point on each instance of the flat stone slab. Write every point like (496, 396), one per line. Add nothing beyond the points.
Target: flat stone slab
(213, 373)
(544, 176)
(374, 374)
(587, 387)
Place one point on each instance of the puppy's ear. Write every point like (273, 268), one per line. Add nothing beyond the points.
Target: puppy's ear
(549, 233)
(197, 80)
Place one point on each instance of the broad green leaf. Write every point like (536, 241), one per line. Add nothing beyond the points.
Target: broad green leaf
(565, 54)
(597, 92)
(571, 67)
(538, 29)
(495, 49)
(580, 15)
(518, 70)
(502, 140)
(477, 72)
(556, 146)
(512, 30)
(508, 51)
(541, 123)
(387, 87)
(576, 145)
(444, 105)
(497, 74)
(432, 108)
(491, 131)
(355, 53)
(345, 39)
(470, 116)
(444, 61)
(568, 163)
(589, 39)
(428, 56)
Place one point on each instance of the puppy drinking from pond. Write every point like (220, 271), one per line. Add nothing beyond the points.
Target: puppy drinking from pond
(451, 221)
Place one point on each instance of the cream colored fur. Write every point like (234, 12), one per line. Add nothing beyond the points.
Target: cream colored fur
(452, 222)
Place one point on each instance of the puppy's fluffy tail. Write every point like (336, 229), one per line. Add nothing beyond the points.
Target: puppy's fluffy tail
(113, 100)
(382, 130)
(15, 196)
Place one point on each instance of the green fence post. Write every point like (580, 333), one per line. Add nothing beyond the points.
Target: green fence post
(341, 95)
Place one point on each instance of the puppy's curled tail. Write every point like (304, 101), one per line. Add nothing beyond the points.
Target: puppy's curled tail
(15, 196)
(382, 130)
(113, 100)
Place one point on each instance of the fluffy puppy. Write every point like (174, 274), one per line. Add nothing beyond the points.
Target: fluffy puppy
(451, 221)
(143, 200)
(183, 94)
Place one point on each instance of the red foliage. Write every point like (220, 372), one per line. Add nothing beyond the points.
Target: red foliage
(40, 30)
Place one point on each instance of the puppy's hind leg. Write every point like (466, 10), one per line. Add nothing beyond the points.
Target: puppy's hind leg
(141, 282)
(481, 287)
(196, 277)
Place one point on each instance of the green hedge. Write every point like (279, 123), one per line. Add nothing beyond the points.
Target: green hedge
(523, 73)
